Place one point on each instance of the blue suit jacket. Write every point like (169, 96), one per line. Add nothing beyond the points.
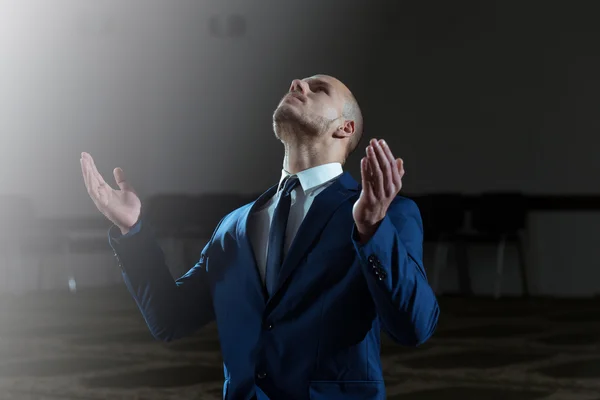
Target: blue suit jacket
(318, 336)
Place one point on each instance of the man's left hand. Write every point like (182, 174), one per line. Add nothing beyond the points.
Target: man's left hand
(381, 181)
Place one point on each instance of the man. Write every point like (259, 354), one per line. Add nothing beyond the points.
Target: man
(302, 280)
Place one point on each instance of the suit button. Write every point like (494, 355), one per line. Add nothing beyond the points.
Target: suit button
(372, 259)
(382, 274)
(261, 375)
(269, 327)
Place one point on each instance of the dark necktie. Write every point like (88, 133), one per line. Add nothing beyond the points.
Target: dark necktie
(277, 234)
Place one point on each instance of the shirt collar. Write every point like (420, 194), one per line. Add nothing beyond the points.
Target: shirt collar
(316, 176)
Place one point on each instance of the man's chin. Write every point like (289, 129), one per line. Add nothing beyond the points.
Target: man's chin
(286, 113)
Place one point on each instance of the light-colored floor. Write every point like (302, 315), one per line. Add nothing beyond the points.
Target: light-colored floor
(94, 344)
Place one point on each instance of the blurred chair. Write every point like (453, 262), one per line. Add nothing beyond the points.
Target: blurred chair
(22, 235)
(169, 216)
(186, 222)
(208, 209)
(443, 217)
(86, 236)
(205, 213)
(501, 218)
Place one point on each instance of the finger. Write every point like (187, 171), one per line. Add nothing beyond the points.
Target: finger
(395, 171)
(376, 174)
(93, 185)
(88, 179)
(121, 181)
(369, 170)
(386, 168)
(89, 172)
(95, 172)
(84, 172)
(89, 184)
(365, 174)
(400, 167)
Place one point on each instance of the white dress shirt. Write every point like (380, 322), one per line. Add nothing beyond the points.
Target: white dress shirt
(312, 182)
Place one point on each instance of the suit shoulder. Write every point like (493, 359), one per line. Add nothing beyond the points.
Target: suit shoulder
(231, 219)
(405, 205)
(403, 211)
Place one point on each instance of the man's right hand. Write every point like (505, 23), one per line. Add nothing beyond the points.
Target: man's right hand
(121, 207)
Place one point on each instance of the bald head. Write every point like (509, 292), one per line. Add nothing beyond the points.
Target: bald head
(322, 109)
(352, 112)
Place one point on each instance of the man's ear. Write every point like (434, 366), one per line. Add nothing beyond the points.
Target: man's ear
(345, 130)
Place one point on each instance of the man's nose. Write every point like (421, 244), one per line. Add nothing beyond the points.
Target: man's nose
(298, 86)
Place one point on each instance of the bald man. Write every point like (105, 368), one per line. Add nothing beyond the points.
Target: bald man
(302, 280)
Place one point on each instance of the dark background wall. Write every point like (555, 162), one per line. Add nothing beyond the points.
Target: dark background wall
(493, 95)
(474, 95)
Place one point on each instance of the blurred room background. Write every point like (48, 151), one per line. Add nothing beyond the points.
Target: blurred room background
(491, 104)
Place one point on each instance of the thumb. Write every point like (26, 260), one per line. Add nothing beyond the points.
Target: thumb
(400, 165)
(120, 178)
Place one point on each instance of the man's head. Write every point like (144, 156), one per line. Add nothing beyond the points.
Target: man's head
(322, 112)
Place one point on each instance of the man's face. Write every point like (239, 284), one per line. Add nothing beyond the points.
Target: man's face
(312, 104)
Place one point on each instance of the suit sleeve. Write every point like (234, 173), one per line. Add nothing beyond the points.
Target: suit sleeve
(392, 262)
(171, 308)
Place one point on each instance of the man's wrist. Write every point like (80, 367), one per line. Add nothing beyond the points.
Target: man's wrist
(366, 231)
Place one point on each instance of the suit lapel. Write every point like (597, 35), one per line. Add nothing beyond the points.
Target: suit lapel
(244, 240)
(317, 217)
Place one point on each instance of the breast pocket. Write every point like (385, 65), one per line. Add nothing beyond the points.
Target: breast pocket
(348, 390)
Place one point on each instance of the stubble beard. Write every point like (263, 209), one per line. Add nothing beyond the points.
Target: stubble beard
(290, 127)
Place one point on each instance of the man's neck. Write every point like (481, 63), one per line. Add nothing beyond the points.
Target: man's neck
(299, 159)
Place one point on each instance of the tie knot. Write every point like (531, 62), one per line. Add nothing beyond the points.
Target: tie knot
(289, 184)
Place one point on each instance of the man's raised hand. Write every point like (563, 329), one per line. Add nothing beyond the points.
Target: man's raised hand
(381, 181)
(122, 207)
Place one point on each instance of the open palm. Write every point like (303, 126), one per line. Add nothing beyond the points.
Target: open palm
(381, 181)
(122, 207)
